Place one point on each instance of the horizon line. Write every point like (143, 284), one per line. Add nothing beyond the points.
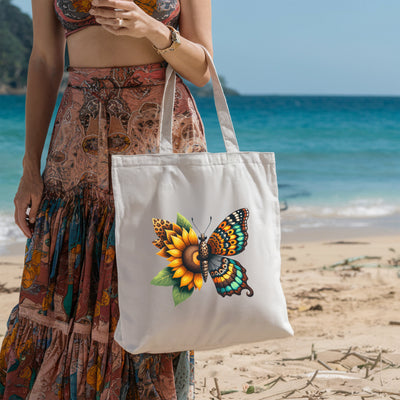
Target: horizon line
(314, 95)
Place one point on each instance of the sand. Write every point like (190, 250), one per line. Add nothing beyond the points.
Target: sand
(346, 320)
(350, 310)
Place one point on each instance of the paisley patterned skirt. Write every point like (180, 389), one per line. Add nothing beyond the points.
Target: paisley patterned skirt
(59, 342)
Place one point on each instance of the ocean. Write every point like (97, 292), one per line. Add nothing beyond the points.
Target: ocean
(338, 158)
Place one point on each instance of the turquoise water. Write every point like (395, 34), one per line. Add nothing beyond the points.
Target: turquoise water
(329, 150)
(336, 156)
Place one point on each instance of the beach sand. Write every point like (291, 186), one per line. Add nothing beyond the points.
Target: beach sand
(346, 320)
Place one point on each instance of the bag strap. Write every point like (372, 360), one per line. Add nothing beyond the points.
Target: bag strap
(224, 116)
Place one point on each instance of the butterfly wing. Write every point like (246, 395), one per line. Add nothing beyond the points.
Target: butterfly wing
(229, 276)
(230, 236)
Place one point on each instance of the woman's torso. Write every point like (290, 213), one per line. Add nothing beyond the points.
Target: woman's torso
(92, 46)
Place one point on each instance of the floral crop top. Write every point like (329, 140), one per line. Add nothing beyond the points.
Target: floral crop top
(74, 14)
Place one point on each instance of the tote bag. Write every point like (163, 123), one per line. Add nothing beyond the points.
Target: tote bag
(197, 239)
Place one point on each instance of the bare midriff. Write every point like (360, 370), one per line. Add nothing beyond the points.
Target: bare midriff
(93, 46)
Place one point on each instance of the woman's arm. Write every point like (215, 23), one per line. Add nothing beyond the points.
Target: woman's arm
(194, 26)
(188, 59)
(46, 65)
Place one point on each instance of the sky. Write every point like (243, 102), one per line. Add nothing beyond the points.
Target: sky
(319, 47)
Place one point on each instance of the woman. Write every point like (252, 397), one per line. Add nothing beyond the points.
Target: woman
(59, 341)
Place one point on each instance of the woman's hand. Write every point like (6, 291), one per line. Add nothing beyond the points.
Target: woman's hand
(188, 60)
(135, 22)
(29, 194)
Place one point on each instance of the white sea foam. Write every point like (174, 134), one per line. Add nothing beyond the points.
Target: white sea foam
(360, 208)
(368, 208)
(360, 213)
(9, 230)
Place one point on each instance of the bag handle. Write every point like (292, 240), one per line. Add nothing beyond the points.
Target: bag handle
(224, 116)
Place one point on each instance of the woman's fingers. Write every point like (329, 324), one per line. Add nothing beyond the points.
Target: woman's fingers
(108, 21)
(20, 216)
(29, 195)
(135, 21)
(34, 207)
(109, 13)
(110, 17)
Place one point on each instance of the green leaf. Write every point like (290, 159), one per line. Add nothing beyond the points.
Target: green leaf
(250, 390)
(181, 294)
(183, 222)
(164, 278)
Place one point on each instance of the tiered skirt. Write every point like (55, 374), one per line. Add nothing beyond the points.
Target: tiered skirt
(59, 342)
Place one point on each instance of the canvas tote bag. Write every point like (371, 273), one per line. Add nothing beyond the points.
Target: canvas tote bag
(197, 242)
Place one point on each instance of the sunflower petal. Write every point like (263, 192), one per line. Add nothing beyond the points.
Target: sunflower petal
(190, 286)
(198, 281)
(163, 252)
(193, 237)
(170, 233)
(179, 243)
(175, 263)
(177, 228)
(180, 272)
(187, 278)
(185, 237)
(175, 253)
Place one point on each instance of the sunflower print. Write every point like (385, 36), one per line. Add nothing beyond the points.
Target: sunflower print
(180, 245)
(192, 260)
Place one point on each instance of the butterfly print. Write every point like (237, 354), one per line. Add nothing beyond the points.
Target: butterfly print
(229, 238)
(192, 260)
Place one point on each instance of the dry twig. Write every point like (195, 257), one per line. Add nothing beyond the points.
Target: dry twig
(325, 365)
